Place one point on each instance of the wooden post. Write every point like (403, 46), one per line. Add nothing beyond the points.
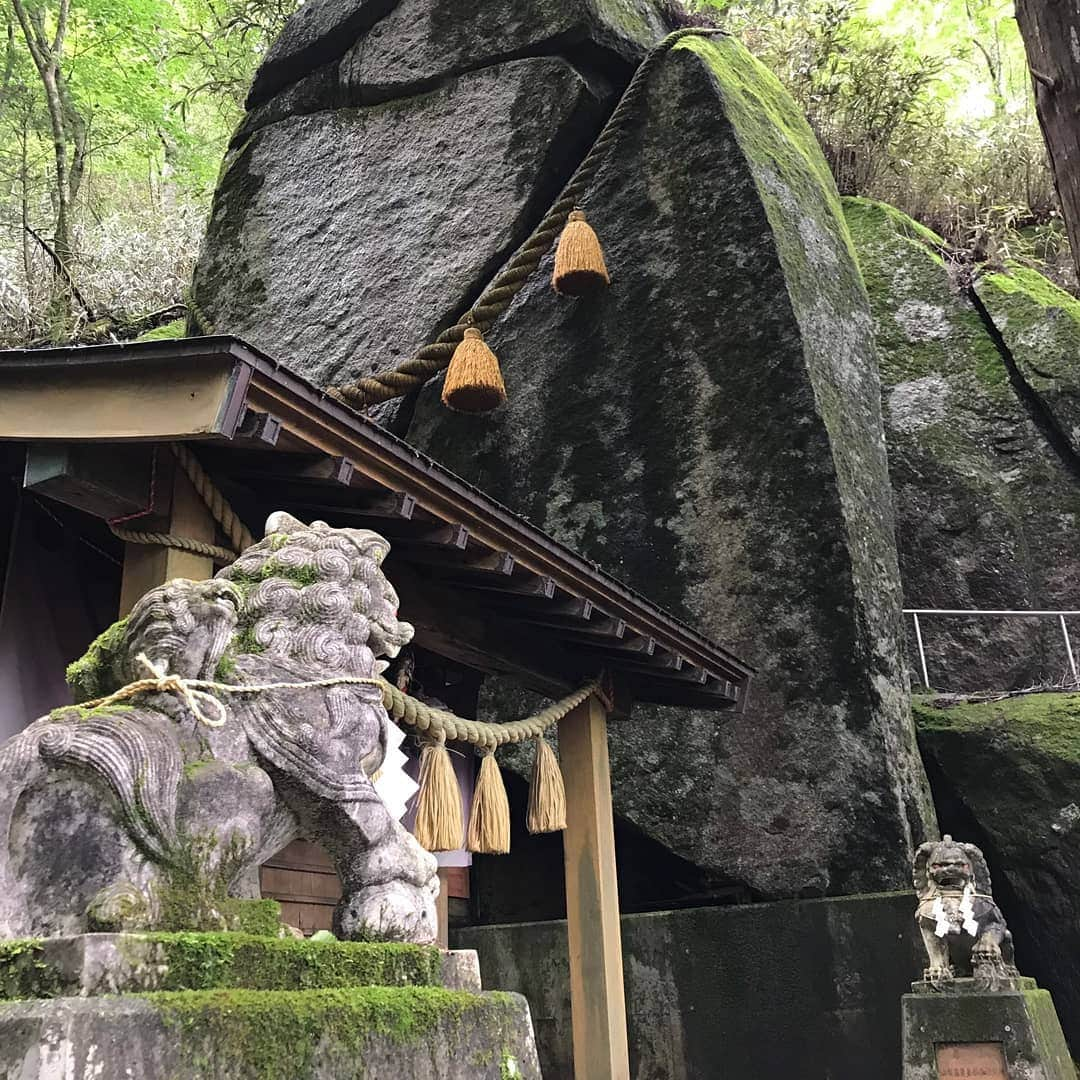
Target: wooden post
(147, 565)
(442, 909)
(597, 1000)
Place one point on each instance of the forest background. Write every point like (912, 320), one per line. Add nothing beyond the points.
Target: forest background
(114, 116)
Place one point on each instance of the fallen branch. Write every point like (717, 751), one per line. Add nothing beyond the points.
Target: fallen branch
(63, 271)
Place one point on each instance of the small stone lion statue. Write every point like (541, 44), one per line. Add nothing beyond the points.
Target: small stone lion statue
(962, 928)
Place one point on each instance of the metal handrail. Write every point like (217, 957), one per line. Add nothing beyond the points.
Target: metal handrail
(916, 612)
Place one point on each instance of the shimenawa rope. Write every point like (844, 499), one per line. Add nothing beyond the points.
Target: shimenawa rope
(432, 358)
(437, 724)
(219, 509)
(495, 299)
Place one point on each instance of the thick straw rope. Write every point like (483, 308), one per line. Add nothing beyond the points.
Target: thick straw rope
(441, 725)
(220, 511)
(495, 299)
(436, 723)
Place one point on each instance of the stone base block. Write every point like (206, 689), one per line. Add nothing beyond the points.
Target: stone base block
(965, 1031)
(86, 965)
(369, 1033)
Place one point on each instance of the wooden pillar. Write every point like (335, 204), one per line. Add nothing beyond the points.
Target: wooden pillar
(147, 565)
(442, 909)
(598, 1004)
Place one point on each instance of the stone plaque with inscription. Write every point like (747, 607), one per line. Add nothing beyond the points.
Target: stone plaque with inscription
(971, 1061)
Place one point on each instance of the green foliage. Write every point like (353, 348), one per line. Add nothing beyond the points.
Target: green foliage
(151, 91)
(24, 972)
(175, 329)
(923, 105)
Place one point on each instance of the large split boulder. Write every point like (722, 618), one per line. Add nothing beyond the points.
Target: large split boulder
(987, 487)
(1006, 774)
(709, 430)
(392, 157)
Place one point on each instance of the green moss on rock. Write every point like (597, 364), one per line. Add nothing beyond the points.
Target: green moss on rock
(238, 960)
(91, 676)
(276, 1035)
(1049, 723)
(171, 330)
(924, 326)
(1041, 325)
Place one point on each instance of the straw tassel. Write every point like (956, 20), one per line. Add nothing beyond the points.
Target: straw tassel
(473, 383)
(439, 824)
(489, 823)
(579, 261)
(547, 795)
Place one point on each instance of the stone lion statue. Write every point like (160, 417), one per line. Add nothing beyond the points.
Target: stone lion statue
(962, 928)
(138, 815)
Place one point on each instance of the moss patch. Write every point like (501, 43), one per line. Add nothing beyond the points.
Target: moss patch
(175, 329)
(1041, 324)
(276, 1035)
(1047, 722)
(224, 961)
(923, 324)
(92, 675)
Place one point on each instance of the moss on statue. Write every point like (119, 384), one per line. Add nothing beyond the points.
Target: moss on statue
(1049, 723)
(276, 1035)
(91, 676)
(194, 891)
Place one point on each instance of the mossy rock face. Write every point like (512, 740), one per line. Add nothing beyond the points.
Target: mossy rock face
(708, 429)
(986, 510)
(1006, 775)
(344, 239)
(393, 156)
(1041, 326)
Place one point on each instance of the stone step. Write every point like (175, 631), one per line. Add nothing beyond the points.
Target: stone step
(88, 965)
(359, 1033)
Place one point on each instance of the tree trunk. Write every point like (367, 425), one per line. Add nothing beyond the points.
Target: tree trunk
(1048, 28)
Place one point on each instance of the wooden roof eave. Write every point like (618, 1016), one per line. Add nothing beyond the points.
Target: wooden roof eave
(202, 389)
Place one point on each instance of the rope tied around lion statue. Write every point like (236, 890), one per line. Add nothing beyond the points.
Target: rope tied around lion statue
(439, 817)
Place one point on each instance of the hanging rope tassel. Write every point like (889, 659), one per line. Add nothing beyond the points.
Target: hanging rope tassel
(439, 823)
(489, 823)
(547, 795)
(473, 383)
(579, 260)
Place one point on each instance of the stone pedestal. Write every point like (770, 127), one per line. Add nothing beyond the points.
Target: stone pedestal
(967, 1032)
(231, 1006)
